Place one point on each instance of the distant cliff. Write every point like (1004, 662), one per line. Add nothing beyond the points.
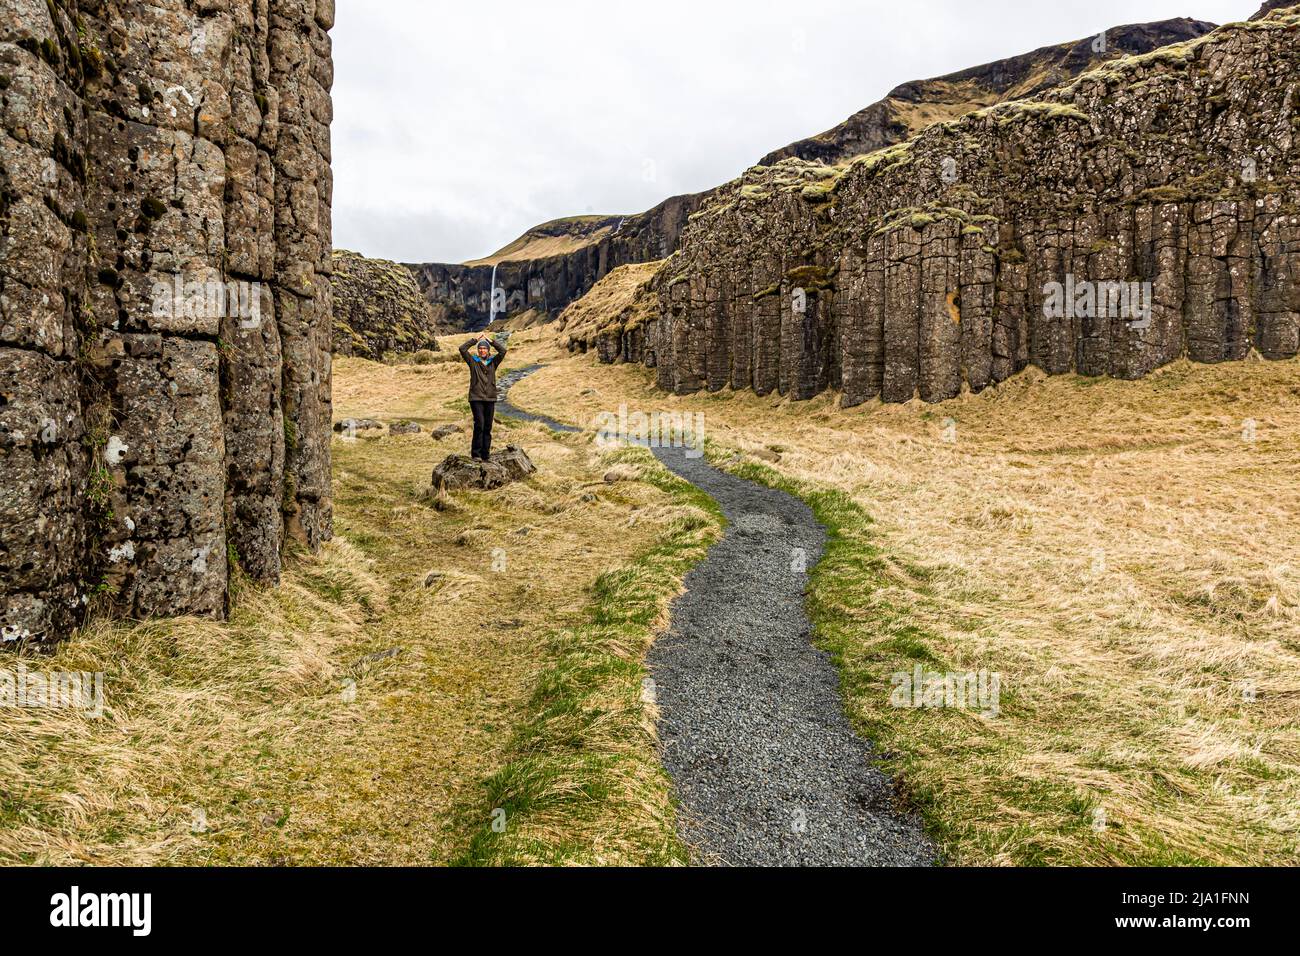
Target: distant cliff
(555, 263)
(911, 107)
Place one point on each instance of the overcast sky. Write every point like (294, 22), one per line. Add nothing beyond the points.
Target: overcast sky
(459, 125)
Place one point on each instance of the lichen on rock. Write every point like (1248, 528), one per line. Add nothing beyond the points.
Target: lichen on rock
(378, 308)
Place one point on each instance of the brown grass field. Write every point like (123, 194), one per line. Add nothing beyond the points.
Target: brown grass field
(1125, 554)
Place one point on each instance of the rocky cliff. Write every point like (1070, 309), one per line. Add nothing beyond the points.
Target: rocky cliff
(1147, 210)
(911, 107)
(609, 316)
(165, 330)
(547, 275)
(554, 264)
(378, 308)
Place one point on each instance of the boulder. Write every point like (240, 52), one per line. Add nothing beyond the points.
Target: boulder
(403, 428)
(460, 471)
(353, 425)
(444, 431)
(515, 461)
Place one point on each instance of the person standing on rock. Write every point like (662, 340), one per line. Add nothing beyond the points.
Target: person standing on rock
(482, 389)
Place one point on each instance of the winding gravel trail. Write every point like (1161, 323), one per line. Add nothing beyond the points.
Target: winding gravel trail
(767, 770)
(511, 411)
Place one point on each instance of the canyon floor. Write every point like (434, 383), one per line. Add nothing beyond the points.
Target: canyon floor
(462, 680)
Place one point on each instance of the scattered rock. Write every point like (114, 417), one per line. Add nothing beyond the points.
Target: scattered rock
(380, 656)
(356, 425)
(622, 473)
(432, 578)
(404, 428)
(460, 471)
(767, 454)
(589, 498)
(444, 431)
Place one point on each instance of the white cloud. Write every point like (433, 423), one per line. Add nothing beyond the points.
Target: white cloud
(459, 125)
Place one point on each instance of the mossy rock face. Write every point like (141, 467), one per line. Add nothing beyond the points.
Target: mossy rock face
(1167, 167)
(379, 310)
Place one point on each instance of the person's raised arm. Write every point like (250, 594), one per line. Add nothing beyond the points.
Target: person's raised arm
(465, 347)
(501, 350)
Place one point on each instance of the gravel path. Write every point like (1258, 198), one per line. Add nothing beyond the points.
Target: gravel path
(510, 411)
(767, 769)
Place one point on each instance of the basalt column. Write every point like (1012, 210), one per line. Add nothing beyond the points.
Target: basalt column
(164, 263)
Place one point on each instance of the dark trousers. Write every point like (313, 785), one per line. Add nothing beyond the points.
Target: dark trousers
(481, 447)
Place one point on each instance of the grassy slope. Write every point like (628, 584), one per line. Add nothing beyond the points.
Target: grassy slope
(1119, 552)
(536, 243)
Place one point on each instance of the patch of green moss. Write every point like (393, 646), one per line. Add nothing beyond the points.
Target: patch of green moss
(810, 277)
(817, 192)
(152, 208)
(1014, 112)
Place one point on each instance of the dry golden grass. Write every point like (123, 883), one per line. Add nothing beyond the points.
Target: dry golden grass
(1123, 553)
(291, 733)
(619, 300)
(536, 245)
(191, 705)
(584, 784)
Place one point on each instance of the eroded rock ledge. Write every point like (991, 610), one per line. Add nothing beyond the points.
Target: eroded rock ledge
(378, 308)
(922, 269)
(144, 449)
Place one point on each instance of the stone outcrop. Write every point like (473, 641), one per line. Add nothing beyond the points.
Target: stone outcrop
(378, 308)
(611, 318)
(164, 301)
(937, 265)
(458, 472)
